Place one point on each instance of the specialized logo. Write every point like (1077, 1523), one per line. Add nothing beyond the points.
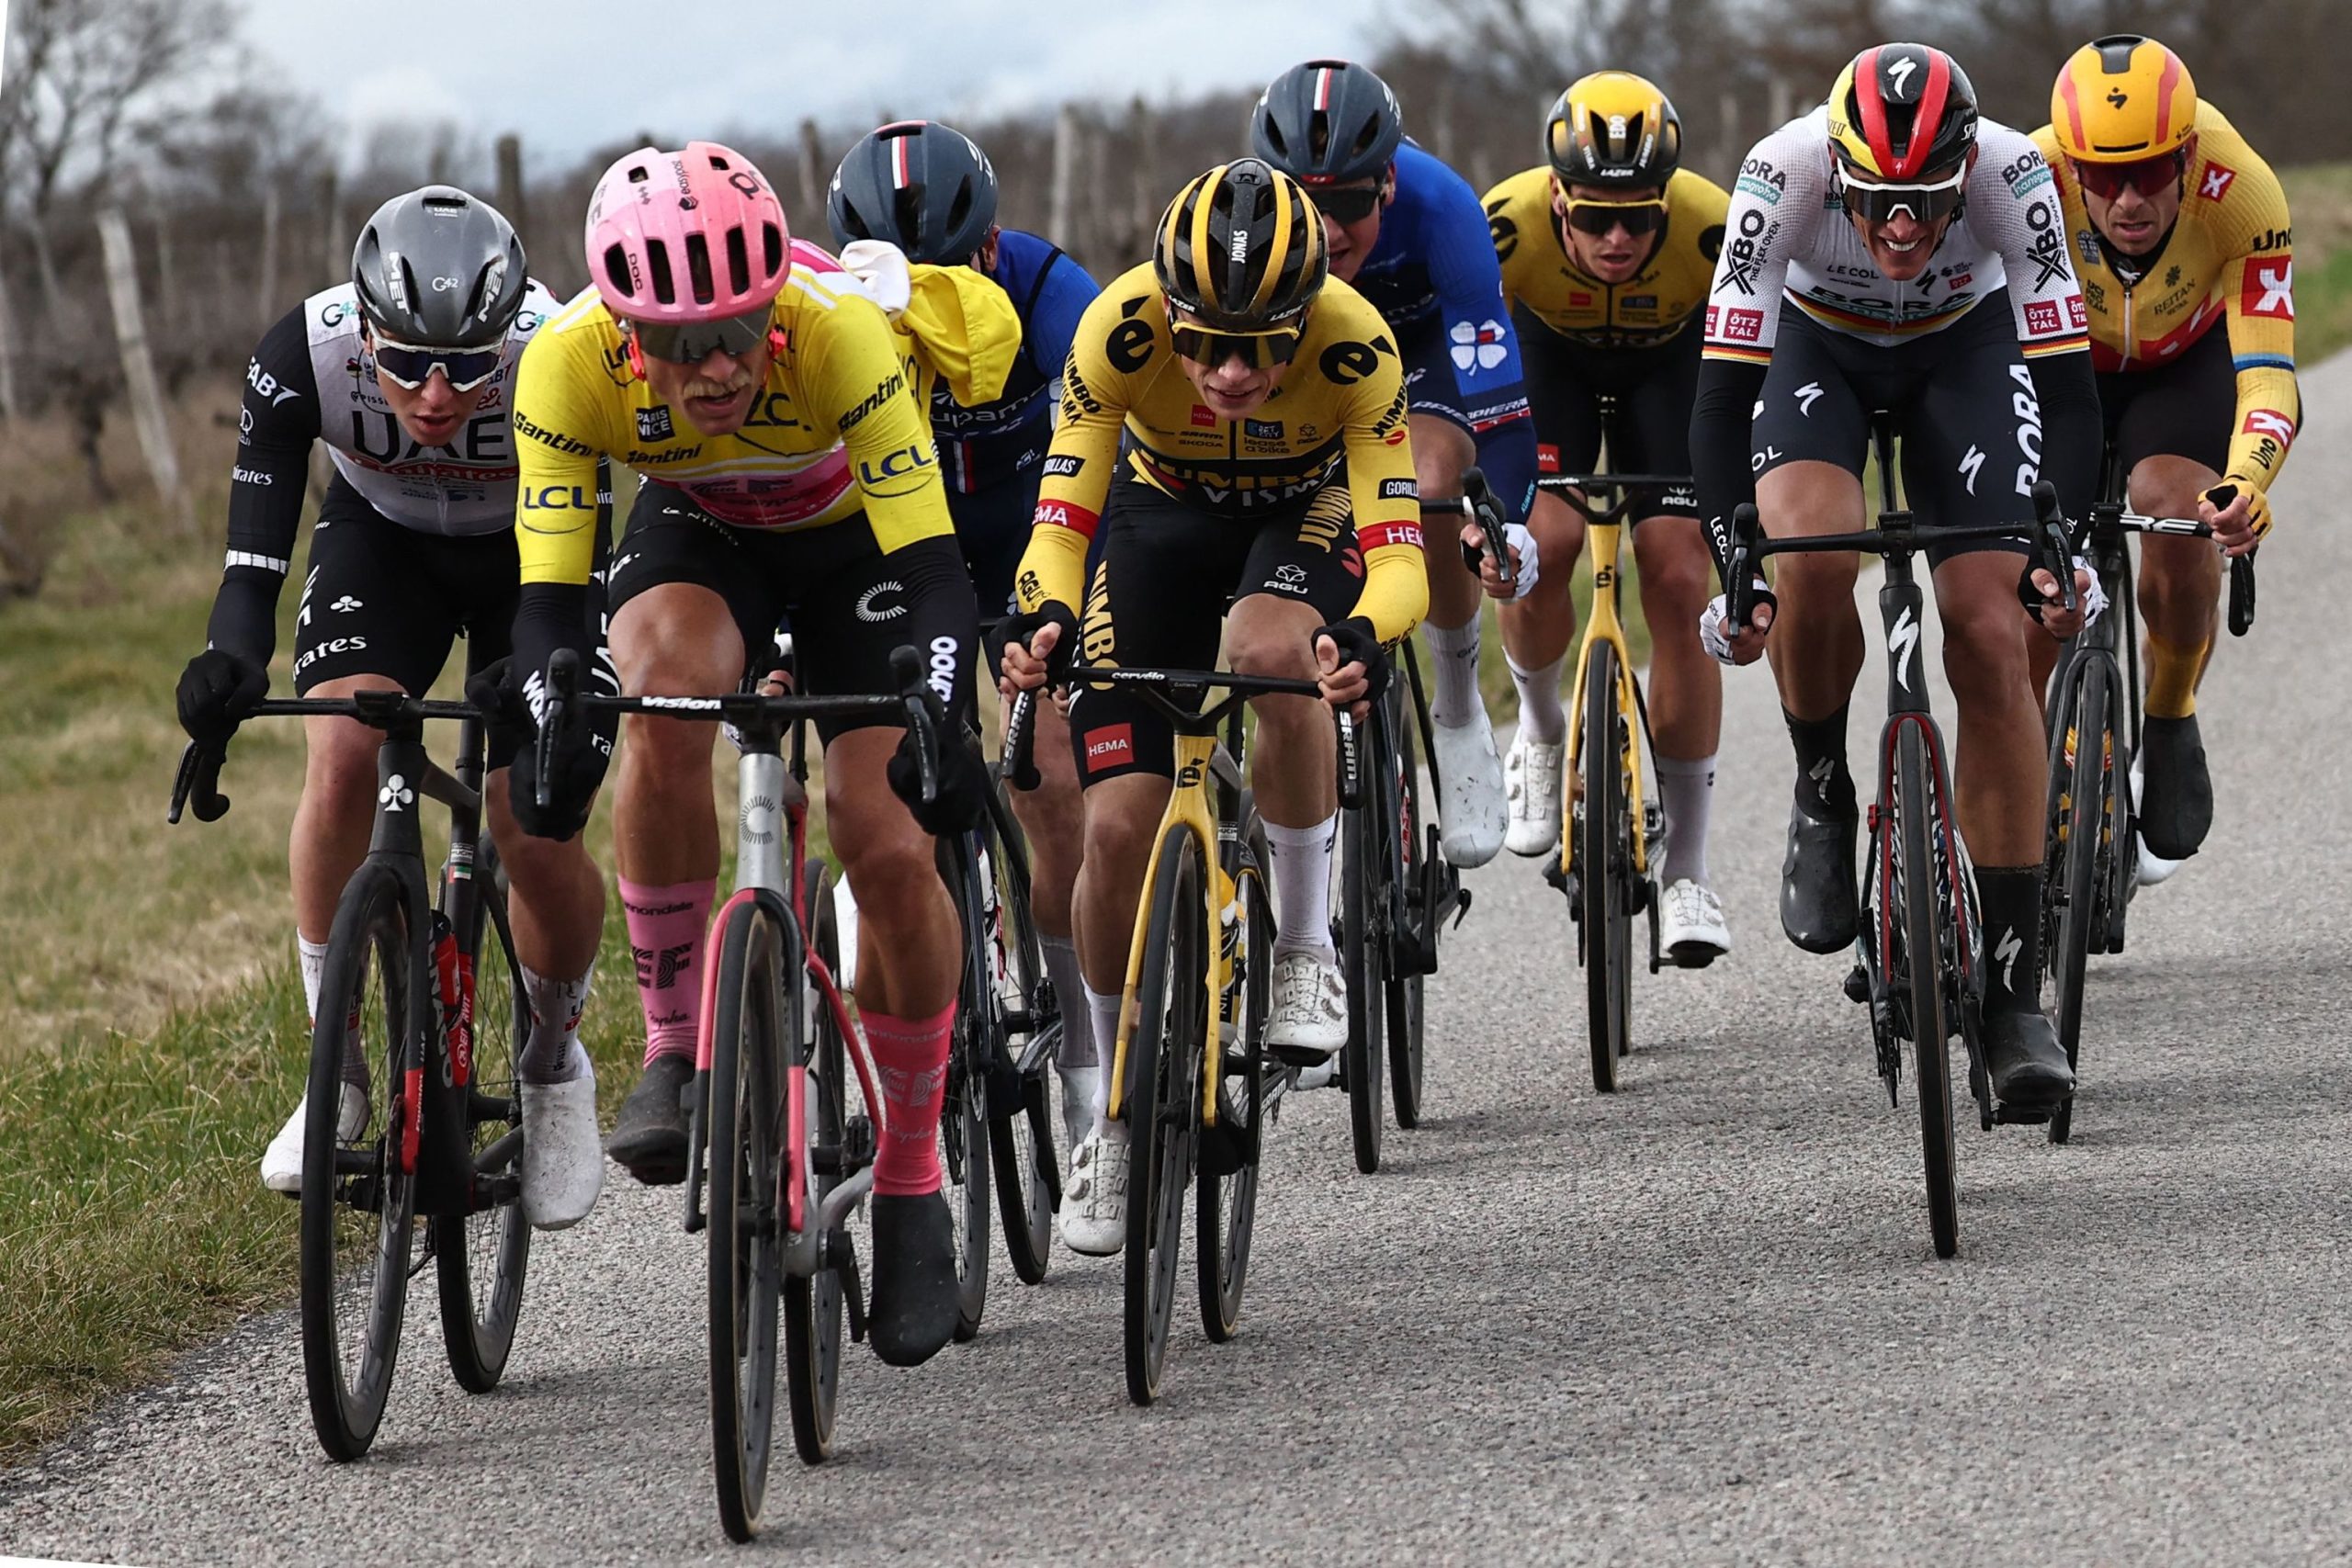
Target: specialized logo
(395, 795)
(1904, 640)
(2007, 952)
(653, 423)
(1898, 77)
(874, 614)
(660, 968)
(1113, 746)
(1970, 464)
(2270, 289)
(1808, 395)
(1478, 348)
(2217, 181)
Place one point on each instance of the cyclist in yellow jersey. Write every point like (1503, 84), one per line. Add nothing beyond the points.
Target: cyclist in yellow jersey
(1269, 482)
(788, 469)
(2183, 243)
(1608, 251)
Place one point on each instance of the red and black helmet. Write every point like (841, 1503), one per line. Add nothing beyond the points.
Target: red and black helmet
(1901, 113)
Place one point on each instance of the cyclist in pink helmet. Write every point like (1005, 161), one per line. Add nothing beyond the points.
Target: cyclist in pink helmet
(787, 471)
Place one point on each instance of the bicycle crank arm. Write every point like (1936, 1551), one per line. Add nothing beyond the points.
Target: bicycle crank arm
(504, 1152)
(839, 1255)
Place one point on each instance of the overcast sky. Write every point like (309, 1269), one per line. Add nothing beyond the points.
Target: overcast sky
(572, 74)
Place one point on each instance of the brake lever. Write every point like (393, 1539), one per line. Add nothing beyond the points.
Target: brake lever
(1740, 592)
(906, 666)
(198, 782)
(2242, 594)
(1019, 764)
(2057, 557)
(1479, 502)
(562, 683)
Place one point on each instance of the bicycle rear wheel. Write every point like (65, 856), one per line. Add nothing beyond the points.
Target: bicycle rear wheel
(358, 1225)
(1604, 851)
(1406, 1065)
(744, 1196)
(1163, 1104)
(1224, 1210)
(964, 1162)
(1021, 1143)
(2081, 780)
(813, 1305)
(1363, 956)
(1917, 825)
(482, 1258)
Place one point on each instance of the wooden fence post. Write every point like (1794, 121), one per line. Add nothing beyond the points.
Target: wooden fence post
(139, 369)
(334, 254)
(510, 183)
(272, 211)
(1064, 209)
(814, 178)
(10, 409)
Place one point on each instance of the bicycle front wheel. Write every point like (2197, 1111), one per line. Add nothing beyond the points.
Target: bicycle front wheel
(1363, 956)
(358, 1227)
(1406, 1065)
(1224, 1209)
(813, 1305)
(2081, 780)
(745, 1198)
(1604, 840)
(482, 1258)
(1163, 1104)
(1916, 827)
(1021, 1142)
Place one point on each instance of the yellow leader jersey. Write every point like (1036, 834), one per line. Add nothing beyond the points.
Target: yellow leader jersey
(1651, 307)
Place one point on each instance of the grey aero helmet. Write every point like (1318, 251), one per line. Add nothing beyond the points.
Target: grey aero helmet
(439, 268)
(924, 186)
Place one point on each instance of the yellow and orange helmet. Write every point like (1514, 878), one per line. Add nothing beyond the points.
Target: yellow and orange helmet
(2123, 98)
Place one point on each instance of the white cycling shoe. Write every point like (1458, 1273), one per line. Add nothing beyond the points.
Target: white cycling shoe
(1308, 1020)
(1692, 930)
(281, 1163)
(1532, 790)
(2151, 868)
(563, 1155)
(1471, 811)
(1094, 1199)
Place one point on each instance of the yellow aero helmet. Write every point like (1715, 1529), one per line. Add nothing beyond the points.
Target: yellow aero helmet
(1241, 247)
(1613, 128)
(2123, 98)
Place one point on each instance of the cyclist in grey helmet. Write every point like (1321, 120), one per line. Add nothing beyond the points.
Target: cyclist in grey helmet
(404, 371)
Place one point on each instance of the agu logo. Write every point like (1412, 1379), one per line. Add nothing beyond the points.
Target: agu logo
(1113, 746)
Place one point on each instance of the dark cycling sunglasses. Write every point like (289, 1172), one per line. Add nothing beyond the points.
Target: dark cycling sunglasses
(1926, 202)
(2149, 177)
(1599, 217)
(1204, 346)
(410, 366)
(1348, 204)
(691, 343)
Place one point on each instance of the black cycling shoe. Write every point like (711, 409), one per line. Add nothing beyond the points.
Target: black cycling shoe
(649, 1134)
(913, 1312)
(2177, 795)
(2027, 1064)
(1818, 905)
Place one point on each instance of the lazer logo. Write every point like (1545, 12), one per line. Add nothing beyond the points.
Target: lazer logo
(1904, 640)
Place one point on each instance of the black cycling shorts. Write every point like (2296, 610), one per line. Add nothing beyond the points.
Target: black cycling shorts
(1166, 576)
(1654, 388)
(1964, 411)
(383, 599)
(2183, 408)
(992, 530)
(849, 604)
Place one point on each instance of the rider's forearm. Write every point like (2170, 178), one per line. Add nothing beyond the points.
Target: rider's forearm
(2071, 431)
(1719, 434)
(245, 612)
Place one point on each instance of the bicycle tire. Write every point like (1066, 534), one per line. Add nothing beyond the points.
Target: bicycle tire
(1604, 835)
(1364, 960)
(964, 1168)
(345, 1183)
(1923, 947)
(1407, 1064)
(478, 1330)
(2088, 779)
(1021, 1142)
(813, 1305)
(1163, 1107)
(1225, 1190)
(744, 1196)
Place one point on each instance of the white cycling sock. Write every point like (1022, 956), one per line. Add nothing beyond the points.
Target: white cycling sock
(1078, 1025)
(1104, 1012)
(556, 1006)
(1685, 791)
(1453, 667)
(314, 956)
(1542, 717)
(1302, 885)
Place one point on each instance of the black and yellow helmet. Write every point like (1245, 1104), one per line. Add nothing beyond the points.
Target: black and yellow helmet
(2123, 98)
(1243, 248)
(1613, 128)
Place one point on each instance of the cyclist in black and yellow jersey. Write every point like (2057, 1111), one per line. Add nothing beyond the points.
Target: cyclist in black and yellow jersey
(2183, 244)
(1608, 250)
(1269, 485)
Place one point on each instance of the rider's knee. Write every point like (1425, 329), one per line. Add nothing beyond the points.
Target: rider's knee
(1269, 644)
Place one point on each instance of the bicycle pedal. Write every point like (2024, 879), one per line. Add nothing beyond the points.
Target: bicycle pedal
(1301, 1057)
(1323, 1075)
(1858, 985)
(1460, 907)
(2023, 1115)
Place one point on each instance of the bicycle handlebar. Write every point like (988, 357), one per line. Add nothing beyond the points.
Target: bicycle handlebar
(2241, 567)
(197, 781)
(1476, 503)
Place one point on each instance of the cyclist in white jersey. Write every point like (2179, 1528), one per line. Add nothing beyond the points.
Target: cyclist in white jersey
(1889, 252)
(405, 372)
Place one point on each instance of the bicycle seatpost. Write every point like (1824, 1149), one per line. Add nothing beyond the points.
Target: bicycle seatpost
(562, 686)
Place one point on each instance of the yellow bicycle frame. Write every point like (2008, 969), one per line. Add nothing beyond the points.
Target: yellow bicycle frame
(1603, 626)
(1189, 809)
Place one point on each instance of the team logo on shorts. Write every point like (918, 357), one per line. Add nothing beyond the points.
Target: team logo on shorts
(872, 612)
(1113, 746)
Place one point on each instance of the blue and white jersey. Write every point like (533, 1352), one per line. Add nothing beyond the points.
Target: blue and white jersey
(992, 443)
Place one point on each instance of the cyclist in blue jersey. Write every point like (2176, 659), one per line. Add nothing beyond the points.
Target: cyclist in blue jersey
(928, 189)
(1410, 235)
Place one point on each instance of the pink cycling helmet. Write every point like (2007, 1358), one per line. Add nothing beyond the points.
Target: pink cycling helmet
(691, 236)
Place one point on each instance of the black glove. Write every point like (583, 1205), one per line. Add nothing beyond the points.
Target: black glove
(1359, 644)
(577, 756)
(1022, 627)
(962, 798)
(219, 691)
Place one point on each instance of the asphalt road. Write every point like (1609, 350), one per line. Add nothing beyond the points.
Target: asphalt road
(1697, 1322)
